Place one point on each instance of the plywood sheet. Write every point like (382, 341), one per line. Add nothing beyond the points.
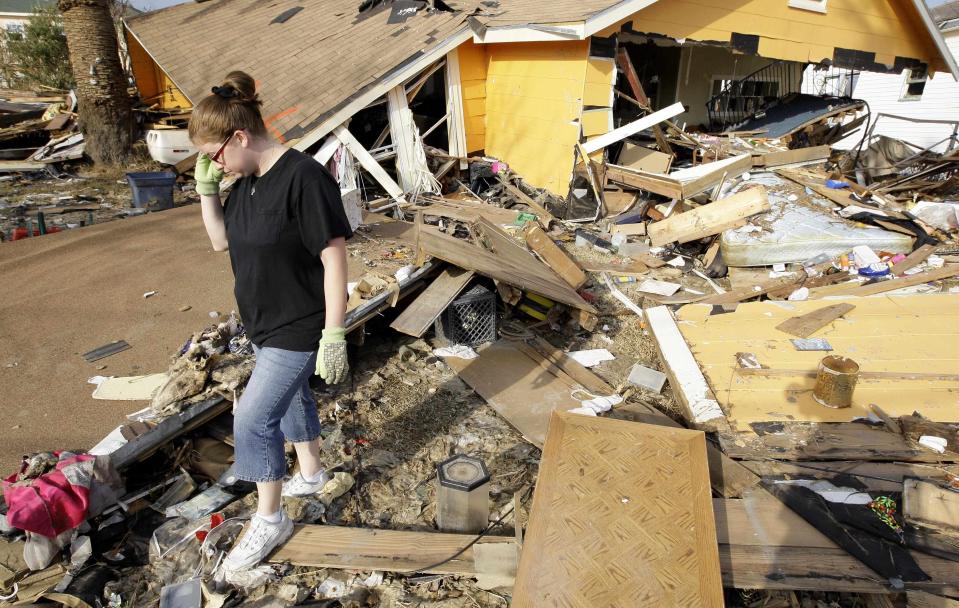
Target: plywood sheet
(916, 334)
(644, 159)
(621, 516)
(518, 388)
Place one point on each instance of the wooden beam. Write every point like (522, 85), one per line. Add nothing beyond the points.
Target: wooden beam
(408, 162)
(946, 272)
(686, 379)
(385, 550)
(456, 126)
(554, 256)
(709, 219)
(598, 143)
(765, 545)
(369, 163)
(642, 100)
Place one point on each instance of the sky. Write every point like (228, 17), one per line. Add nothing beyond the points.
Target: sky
(152, 5)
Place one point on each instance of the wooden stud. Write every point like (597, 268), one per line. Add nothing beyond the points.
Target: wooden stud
(709, 219)
(555, 257)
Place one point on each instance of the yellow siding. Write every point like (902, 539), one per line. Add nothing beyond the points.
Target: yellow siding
(534, 100)
(597, 122)
(600, 77)
(473, 70)
(154, 85)
(889, 28)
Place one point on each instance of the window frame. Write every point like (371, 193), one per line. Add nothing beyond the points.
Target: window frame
(910, 79)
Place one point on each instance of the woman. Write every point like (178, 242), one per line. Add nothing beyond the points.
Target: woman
(284, 225)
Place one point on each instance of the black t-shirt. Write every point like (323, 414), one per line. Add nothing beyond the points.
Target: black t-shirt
(276, 225)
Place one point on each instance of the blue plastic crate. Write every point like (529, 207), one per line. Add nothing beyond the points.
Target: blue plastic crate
(153, 190)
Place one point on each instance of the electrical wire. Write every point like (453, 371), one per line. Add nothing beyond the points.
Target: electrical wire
(479, 537)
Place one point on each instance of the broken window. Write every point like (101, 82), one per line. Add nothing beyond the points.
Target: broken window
(914, 84)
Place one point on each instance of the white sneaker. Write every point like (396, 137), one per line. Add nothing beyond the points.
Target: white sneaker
(259, 540)
(299, 486)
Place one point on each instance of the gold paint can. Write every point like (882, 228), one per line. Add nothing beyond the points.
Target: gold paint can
(836, 381)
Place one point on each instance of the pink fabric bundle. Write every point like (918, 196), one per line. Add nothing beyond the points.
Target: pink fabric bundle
(54, 502)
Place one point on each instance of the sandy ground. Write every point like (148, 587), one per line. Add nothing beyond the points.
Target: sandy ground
(67, 293)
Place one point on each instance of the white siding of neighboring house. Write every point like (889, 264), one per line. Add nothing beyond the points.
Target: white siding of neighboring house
(940, 101)
(7, 19)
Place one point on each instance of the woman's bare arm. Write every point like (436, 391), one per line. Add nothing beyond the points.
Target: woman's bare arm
(212, 210)
(333, 257)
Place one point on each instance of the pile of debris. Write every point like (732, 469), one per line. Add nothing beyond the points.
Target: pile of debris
(41, 191)
(37, 128)
(637, 395)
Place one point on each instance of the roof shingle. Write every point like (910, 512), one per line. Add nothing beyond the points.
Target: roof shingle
(306, 67)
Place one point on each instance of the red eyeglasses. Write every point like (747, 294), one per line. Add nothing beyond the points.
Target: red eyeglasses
(218, 155)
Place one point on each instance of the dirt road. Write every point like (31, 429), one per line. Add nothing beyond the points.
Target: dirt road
(64, 294)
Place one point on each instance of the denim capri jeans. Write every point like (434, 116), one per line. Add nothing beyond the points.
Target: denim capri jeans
(277, 403)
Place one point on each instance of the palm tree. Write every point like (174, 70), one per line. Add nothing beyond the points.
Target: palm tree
(105, 107)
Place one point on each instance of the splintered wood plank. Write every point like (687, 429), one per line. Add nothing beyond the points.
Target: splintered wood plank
(930, 504)
(621, 516)
(921, 599)
(763, 544)
(545, 216)
(555, 257)
(946, 272)
(709, 219)
(519, 268)
(517, 387)
(387, 550)
(892, 338)
(420, 314)
(809, 323)
(685, 377)
(913, 259)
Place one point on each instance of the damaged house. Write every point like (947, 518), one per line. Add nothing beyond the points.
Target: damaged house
(523, 86)
(591, 360)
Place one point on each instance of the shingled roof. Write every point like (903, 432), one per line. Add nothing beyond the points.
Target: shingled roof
(309, 58)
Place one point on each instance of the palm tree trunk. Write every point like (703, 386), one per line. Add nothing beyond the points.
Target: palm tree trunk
(105, 107)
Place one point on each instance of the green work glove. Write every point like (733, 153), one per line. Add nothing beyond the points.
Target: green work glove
(331, 362)
(207, 175)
